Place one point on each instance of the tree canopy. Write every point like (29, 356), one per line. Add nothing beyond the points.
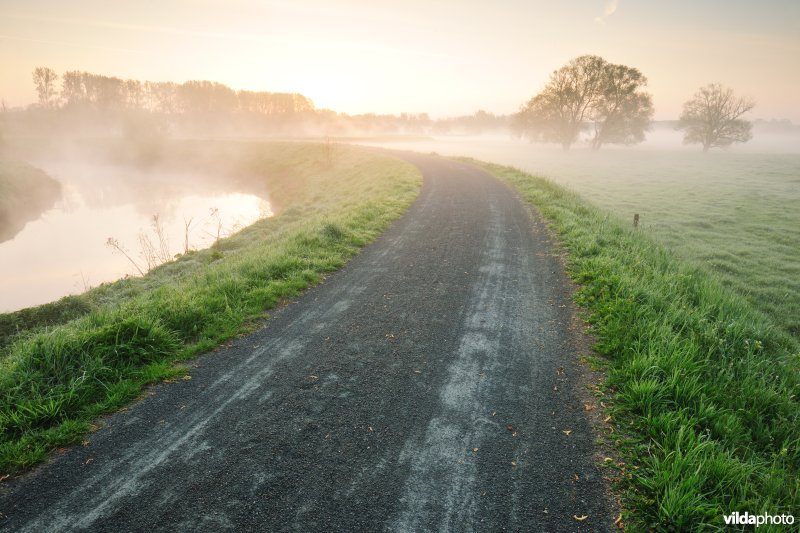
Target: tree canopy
(588, 92)
(45, 81)
(713, 118)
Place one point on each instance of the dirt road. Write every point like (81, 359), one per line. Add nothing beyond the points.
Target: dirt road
(431, 384)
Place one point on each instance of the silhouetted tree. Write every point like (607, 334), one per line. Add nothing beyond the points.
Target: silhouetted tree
(588, 89)
(623, 111)
(44, 79)
(712, 118)
(557, 114)
(134, 94)
(72, 89)
(162, 96)
(104, 92)
(206, 97)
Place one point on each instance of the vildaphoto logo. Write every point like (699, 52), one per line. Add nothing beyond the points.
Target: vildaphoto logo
(744, 519)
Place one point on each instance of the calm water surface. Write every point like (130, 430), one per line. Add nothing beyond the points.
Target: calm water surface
(65, 251)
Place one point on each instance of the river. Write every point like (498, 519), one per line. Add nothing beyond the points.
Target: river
(66, 250)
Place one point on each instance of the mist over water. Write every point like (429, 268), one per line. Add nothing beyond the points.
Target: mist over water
(65, 251)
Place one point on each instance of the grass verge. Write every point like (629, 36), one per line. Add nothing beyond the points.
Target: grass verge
(704, 386)
(65, 363)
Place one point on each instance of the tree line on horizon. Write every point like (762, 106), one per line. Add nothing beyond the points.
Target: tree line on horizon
(80, 88)
(587, 95)
(200, 106)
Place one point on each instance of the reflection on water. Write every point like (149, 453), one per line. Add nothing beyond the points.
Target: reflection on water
(65, 251)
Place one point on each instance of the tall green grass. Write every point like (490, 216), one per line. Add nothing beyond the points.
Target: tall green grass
(705, 386)
(55, 379)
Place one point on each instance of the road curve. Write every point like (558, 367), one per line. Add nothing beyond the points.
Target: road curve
(431, 384)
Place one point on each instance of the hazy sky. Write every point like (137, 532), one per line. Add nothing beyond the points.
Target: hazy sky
(444, 57)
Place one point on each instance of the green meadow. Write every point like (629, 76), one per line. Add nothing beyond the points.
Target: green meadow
(733, 214)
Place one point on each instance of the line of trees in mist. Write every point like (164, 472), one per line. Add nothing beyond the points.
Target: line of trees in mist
(84, 89)
(90, 102)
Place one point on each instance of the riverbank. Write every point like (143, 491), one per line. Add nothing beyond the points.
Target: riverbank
(25, 192)
(65, 363)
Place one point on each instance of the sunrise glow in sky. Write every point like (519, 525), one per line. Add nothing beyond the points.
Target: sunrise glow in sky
(445, 58)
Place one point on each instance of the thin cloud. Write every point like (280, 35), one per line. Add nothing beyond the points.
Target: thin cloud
(610, 8)
(79, 45)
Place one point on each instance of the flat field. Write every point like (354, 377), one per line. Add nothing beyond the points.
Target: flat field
(736, 215)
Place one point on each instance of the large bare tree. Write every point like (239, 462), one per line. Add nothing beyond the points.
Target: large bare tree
(588, 90)
(713, 118)
(44, 79)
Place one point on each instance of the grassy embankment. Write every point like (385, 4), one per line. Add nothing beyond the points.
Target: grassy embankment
(704, 386)
(25, 192)
(98, 349)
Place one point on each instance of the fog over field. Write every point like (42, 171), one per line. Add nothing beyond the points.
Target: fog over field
(731, 212)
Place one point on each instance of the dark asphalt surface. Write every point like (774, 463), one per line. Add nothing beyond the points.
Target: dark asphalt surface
(419, 388)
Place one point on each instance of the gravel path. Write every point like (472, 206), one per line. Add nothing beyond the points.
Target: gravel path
(431, 384)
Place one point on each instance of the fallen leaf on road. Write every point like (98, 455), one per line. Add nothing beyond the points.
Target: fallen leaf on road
(513, 463)
(85, 443)
(509, 427)
(474, 450)
(370, 429)
(5, 477)
(588, 407)
(186, 378)
(566, 432)
(576, 477)
(607, 419)
(580, 518)
(618, 520)
(87, 461)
